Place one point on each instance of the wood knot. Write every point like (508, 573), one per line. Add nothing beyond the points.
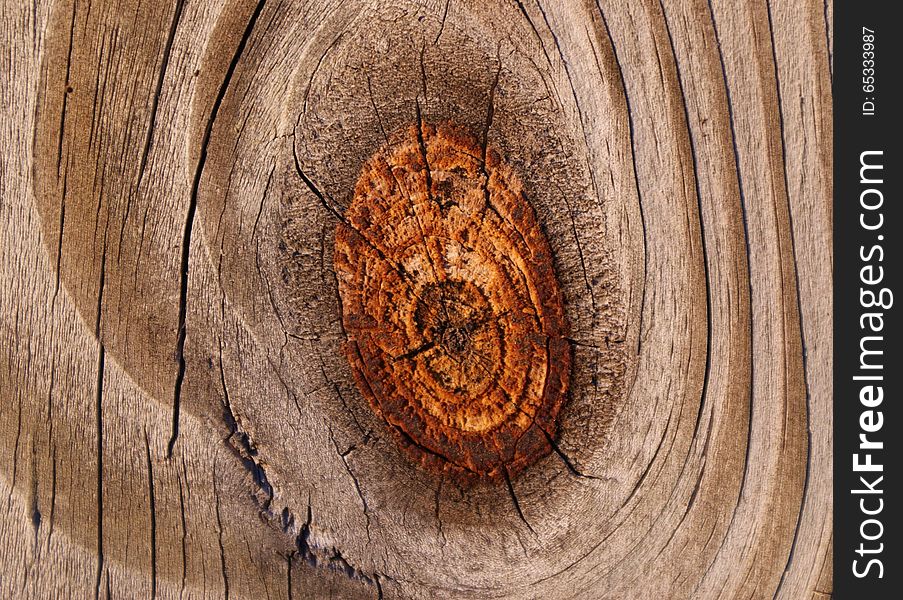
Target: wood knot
(450, 302)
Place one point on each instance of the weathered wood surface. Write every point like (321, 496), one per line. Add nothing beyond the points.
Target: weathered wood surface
(178, 417)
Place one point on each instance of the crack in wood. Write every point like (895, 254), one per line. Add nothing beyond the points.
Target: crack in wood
(189, 226)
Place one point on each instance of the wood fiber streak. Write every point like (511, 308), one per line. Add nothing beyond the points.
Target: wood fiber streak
(415, 299)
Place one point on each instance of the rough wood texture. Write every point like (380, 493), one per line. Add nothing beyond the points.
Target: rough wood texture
(451, 307)
(187, 401)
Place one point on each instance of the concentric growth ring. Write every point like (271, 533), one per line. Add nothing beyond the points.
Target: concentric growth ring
(454, 316)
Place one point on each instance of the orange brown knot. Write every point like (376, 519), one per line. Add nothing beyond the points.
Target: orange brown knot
(453, 312)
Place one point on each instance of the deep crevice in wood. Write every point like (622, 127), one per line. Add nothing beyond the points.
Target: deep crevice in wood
(189, 226)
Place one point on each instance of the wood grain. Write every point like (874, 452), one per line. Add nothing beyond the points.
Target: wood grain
(451, 308)
(181, 190)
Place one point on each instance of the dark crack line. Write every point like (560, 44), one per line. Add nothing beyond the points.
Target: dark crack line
(35, 509)
(646, 471)
(577, 104)
(589, 288)
(335, 386)
(566, 459)
(302, 540)
(288, 573)
(313, 74)
(401, 271)
(189, 225)
(266, 192)
(219, 531)
(315, 190)
(329, 204)
(829, 50)
(244, 448)
(520, 513)
(379, 118)
(412, 353)
(730, 111)
(429, 184)
(484, 144)
(35, 513)
(442, 24)
(101, 366)
(153, 515)
(329, 558)
(633, 152)
(704, 246)
(52, 493)
(731, 120)
(802, 331)
(605, 538)
(410, 440)
(62, 228)
(99, 449)
(164, 63)
(340, 563)
(357, 486)
(526, 15)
